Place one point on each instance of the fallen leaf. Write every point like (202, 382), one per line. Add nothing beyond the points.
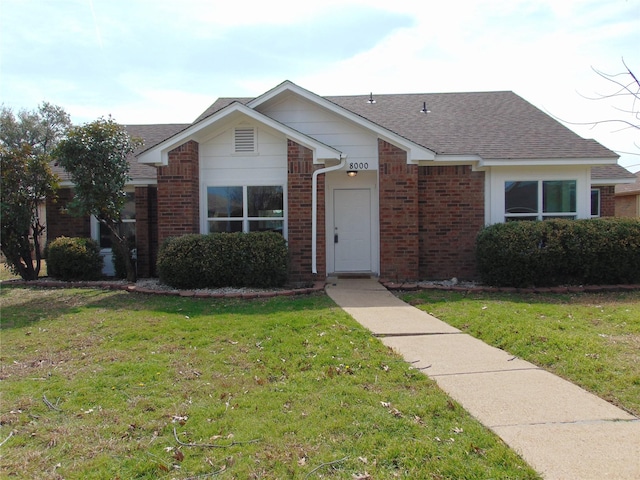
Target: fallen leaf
(179, 456)
(385, 404)
(361, 476)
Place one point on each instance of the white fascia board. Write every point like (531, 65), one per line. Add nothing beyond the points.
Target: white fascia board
(159, 154)
(415, 152)
(453, 160)
(611, 181)
(522, 162)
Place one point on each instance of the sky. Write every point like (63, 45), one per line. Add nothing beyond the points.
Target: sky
(166, 61)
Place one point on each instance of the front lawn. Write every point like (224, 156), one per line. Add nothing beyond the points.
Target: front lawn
(592, 340)
(108, 384)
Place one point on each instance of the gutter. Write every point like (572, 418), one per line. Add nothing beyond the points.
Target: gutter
(314, 209)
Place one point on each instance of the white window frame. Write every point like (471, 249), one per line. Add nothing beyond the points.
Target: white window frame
(595, 189)
(246, 219)
(541, 214)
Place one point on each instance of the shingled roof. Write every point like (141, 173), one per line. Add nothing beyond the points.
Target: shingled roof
(150, 135)
(493, 125)
(629, 188)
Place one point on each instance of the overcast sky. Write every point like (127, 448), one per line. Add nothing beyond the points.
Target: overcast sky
(166, 61)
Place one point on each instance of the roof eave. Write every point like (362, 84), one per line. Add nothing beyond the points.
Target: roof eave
(502, 162)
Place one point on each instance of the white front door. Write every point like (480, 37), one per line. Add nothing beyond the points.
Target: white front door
(352, 230)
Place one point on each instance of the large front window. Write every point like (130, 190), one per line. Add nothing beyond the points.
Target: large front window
(245, 209)
(539, 200)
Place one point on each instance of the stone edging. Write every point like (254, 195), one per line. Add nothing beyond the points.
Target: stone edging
(106, 285)
(408, 287)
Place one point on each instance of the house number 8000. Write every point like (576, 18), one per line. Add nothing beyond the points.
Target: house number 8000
(358, 166)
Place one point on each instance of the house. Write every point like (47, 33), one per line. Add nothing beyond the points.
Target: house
(392, 185)
(627, 198)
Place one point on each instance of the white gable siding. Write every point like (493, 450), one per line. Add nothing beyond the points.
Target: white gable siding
(356, 142)
(220, 165)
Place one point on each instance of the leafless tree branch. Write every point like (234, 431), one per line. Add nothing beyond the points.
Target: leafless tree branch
(211, 445)
(325, 465)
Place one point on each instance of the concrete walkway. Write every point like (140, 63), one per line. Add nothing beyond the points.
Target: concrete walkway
(561, 430)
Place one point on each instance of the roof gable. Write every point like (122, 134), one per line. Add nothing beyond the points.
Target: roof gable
(202, 129)
(415, 151)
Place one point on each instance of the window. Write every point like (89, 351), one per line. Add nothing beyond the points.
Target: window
(539, 200)
(595, 202)
(127, 226)
(245, 209)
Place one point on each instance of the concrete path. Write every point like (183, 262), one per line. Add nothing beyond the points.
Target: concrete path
(561, 430)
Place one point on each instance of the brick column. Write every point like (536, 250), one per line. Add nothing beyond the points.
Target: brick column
(146, 230)
(179, 193)
(399, 216)
(451, 215)
(607, 201)
(300, 170)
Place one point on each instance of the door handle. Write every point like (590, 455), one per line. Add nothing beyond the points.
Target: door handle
(335, 238)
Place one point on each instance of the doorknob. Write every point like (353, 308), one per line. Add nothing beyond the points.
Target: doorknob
(335, 238)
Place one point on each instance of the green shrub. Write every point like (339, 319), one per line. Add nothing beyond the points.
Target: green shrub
(557, 252)
(256, 259)
(74, 259)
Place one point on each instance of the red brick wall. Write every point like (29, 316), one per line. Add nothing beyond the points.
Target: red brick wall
(451, 214)
(179, 193)
(60, 223)
(146, 230)
(300, 169)
(399, 214)
(627, 206)
(607, 201)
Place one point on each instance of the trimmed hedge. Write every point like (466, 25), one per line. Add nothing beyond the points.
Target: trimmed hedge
(257, 259)
(603, 251)
(74, 259)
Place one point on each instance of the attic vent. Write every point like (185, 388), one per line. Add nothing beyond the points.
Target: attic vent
(245, 139)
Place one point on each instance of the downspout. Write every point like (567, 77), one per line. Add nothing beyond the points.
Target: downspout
(314, 209)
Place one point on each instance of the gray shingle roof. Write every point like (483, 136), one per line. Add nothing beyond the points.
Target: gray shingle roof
(151, 135)
(610, 172)
(494, 125)
(629, 188)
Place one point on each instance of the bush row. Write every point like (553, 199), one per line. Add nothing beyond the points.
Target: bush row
(257, 259)
(73, 259)
(560, 252)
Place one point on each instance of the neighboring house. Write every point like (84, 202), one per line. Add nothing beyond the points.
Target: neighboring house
(391, 185)
(628, 199)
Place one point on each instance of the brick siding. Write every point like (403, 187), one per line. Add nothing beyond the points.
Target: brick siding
(179, 193)
(61, 224)
(607, 201)
(399, 214)
(300, 170)
(627, 206)
(451, 215)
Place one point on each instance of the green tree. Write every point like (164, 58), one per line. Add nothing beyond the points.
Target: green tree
(95, 156)
(26, 141)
